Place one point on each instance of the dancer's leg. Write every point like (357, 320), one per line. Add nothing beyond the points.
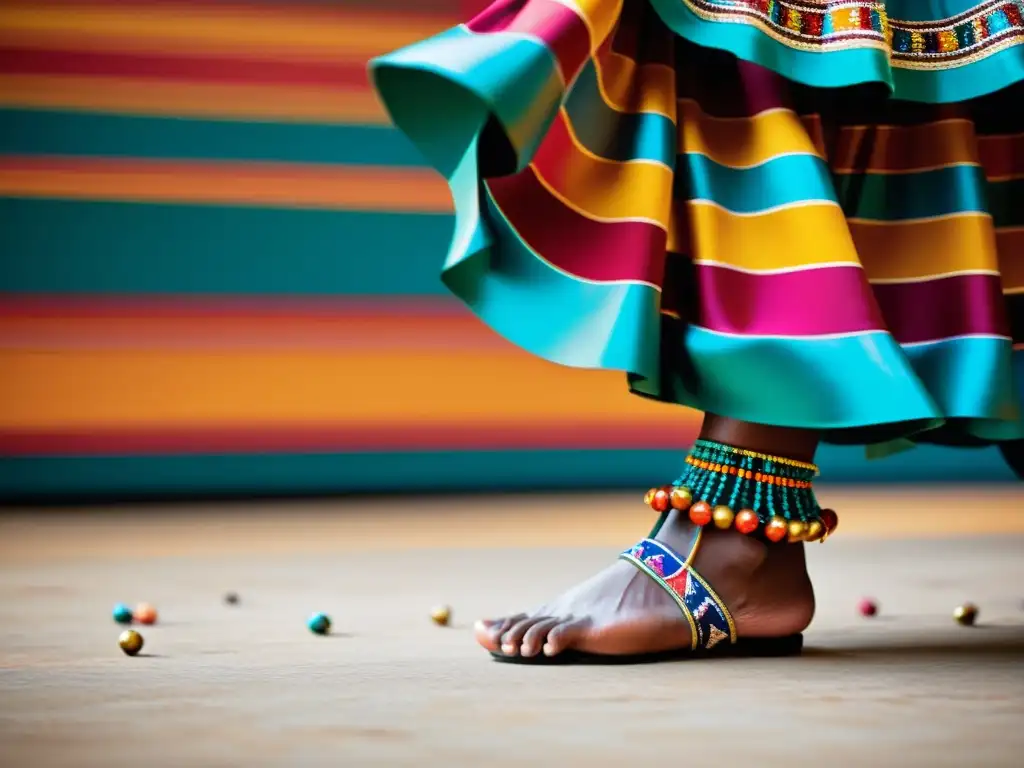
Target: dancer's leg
(622, 611)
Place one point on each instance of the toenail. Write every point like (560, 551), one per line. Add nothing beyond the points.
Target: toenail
(549, 650)
(508, 648)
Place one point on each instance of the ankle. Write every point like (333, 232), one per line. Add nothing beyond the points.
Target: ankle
(766, 586)
(799, 444)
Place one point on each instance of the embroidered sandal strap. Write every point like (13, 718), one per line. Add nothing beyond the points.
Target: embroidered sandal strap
(710, 621)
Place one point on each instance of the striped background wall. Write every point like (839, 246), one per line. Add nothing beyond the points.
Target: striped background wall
(220, 273)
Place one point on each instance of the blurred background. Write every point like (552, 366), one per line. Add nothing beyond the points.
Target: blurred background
(219, 275)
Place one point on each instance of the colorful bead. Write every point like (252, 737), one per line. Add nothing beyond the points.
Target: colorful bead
(796, 530)
(776, 529)
(681, 498)
(830, 520)
(747, 521)
(131, 642)
(319, 623)
(814, 530)
(727, 481)
(966, 614)
(145, 613)
(660, 502)
(722, 447)
(700, 513)
(867, 607)
(649, 496)
(122, 614)
(441, 615)
(761, 477)
(723, 517)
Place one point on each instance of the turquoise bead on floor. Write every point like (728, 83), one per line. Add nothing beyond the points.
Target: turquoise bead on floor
(319, 624)
(122, 614)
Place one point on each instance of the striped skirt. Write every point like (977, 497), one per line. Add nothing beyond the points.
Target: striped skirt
(806, 215)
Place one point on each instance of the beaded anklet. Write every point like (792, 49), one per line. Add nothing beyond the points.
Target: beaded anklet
(749, 491)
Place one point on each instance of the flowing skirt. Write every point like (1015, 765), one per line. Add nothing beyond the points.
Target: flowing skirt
(800, 214)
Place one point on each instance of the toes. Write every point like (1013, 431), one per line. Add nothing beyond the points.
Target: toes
(513, 637)
(489, 631)
(565, 635)
(534, 637)
(530, 635)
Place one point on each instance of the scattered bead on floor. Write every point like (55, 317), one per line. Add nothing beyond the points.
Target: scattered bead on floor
(130, 641)
(145, 613)
(122, 614)
(867, 607)
(441, 615)
(319, 624)
(966, 614)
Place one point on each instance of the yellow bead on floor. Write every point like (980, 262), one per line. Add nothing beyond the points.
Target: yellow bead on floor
(130, 641)
(441, 615)
(966, 614)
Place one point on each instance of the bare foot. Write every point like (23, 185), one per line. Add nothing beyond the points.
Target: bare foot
(622, 611)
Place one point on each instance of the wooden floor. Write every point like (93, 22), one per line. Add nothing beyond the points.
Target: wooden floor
(249, 685)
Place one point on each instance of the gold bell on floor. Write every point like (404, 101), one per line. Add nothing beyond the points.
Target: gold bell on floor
(131, 642)
(441, 615)
(966, 614)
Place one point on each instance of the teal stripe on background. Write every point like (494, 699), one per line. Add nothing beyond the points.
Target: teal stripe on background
(1006, 202)
(62, 246)
(48, 132)
(780, 181)
(900, 196)
(266, 474)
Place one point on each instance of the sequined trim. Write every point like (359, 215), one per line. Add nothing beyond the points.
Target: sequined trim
(968, 37)
(939, 44)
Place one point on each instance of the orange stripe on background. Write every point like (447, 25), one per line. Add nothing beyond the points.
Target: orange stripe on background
(74, 390)
(414, 334)
(481, 434)
(298, 31)
(309, 104)
(277, 184)
(111, 42)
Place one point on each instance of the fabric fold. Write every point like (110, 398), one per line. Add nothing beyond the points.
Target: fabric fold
(697, 217)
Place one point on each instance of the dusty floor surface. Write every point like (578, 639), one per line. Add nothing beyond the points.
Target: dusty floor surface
(250, 686)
